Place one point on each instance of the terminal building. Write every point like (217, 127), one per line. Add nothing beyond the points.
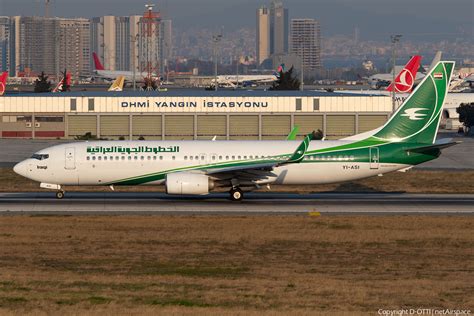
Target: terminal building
(190, 114)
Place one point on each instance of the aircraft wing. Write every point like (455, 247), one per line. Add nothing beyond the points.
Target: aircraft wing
(261, 169)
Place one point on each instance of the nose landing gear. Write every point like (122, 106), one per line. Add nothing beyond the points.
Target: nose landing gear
(60, 195)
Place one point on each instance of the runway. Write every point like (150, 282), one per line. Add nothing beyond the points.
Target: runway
(112, 203)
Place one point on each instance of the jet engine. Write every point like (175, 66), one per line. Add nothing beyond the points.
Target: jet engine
(188, 183)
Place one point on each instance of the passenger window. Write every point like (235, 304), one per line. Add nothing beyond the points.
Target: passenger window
(105, 158)
(148, 157)
(93, 158)
(220, 157)
(161, 157)
(129, 158)
(245, 157)
(123, 157)
(136, 157)
(226, 157)
(88, 158)
(233, 157)
(197, 157)
(154, 157)
(185, 157)
(100, 157)
(191, 157)
(174, 158)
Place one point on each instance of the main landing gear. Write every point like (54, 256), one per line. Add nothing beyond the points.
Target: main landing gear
(60, 195)
(236, 194)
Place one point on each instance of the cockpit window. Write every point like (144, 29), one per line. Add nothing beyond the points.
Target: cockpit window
(40, 156)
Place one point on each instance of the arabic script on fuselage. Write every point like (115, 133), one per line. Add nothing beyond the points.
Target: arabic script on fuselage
(131, 150)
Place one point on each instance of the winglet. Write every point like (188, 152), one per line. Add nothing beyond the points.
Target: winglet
(293, 133)
(299, 153)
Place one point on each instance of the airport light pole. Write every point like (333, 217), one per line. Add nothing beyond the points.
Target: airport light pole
(216, 39)
(133, 39)
(394, 39)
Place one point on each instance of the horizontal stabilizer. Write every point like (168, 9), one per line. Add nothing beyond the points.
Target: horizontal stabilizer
(439, 144)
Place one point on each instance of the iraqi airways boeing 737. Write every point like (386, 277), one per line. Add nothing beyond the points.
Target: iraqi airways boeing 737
(197, 167)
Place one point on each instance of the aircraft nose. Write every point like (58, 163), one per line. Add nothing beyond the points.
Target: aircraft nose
(20, 168)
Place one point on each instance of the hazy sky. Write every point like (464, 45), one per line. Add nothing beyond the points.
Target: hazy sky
(431, 19)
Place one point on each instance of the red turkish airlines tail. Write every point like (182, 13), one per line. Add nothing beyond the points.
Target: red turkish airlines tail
(97, 63)
(3, 82)
(406, 78)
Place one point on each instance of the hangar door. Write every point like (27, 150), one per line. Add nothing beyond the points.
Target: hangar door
(339, 126)
(179, 127)
(308, 124)
(370, 122)
(146, 126)
(209, 126)
(114, 126)
(243, 127)
(79, 125)
(276, 126)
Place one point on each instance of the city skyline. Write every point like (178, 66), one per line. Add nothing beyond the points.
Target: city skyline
(427, 20)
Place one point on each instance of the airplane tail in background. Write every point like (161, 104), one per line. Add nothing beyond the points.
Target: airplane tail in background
(117, 85)
(406, 78)
(59, 87)
(3, 83)
(98, 65)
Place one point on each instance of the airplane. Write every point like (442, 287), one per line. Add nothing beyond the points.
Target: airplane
(3, 83)
(407, 139)
(245, 80)
(378, 81)
(406, 78)
(111, 75)
(117, 85)
(248, 80)
(410, 70)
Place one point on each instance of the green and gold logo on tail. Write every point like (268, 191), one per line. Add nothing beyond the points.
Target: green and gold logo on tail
(417, 119)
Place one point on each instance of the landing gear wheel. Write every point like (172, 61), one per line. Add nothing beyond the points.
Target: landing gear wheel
(59, 195)
(236, 194)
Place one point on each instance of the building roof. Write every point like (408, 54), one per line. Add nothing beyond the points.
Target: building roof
(191, 93)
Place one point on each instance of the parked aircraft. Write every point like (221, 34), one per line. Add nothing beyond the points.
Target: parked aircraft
(111, 75)
(197, 167)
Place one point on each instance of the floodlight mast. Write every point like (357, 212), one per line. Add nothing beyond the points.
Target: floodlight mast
(394, 39)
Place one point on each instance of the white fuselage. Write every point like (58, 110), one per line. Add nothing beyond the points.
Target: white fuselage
(71, 164)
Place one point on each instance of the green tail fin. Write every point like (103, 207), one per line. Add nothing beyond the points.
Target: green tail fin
(417, 119)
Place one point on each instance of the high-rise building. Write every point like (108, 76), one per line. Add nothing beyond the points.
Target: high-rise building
(4, 43)
(167, 39)
(263, 34)
(50, 45)
(306, 42)
(278, 28)
(74, 46)
(119, 41)
(103, 40)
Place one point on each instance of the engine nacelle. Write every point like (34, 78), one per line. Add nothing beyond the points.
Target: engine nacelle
(188, 183)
